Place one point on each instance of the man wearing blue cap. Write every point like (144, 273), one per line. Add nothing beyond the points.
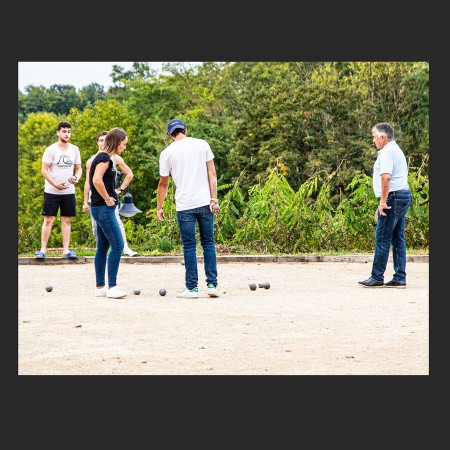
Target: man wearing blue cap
(190, 162)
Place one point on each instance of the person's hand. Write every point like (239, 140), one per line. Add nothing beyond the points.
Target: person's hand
(214, 207)
(61, 186)
(85, 207)
(110, 202)
(160, 215)
(382, 207)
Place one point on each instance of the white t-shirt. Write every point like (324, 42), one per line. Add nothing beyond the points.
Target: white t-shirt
(61, 167)
(390, 159)
(185, 160)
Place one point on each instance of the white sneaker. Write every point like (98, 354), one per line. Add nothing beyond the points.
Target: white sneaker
(101, 292)
(193, 293)
(213, 291)
(129, 252)
(115, 292)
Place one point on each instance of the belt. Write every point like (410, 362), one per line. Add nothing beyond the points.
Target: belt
(400, 190)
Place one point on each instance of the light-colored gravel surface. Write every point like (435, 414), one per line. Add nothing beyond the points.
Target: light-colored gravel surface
(314, 320)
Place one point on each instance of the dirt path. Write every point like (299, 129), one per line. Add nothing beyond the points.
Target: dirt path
(314, 320)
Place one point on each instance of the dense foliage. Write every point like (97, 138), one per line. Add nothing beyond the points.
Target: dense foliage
(292, 144)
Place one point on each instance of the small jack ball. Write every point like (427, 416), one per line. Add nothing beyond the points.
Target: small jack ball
(136, 291)
(162, 292)
(252, 286)
(49, 288)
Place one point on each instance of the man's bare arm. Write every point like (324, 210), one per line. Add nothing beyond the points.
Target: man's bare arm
(163, 187)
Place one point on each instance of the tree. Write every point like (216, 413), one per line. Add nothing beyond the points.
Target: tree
(59, 99)
(38, 132)
(90, 94)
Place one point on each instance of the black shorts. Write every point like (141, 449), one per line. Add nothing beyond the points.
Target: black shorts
(65, 203)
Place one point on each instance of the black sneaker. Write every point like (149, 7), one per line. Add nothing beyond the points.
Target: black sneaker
(370, 282)
(395, 284)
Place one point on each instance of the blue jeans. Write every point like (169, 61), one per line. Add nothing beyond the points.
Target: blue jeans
(391, 231)
(108, 235)
(186, 222)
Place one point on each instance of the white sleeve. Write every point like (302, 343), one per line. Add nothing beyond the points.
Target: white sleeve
(77, 156)
(386, 163)
(47, 157)
(164, 169)
(209, 153)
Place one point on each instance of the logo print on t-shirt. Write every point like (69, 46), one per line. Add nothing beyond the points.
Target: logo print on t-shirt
(64, 161)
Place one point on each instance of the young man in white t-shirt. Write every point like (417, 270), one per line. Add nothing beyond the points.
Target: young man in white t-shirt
(190, 162)
(59, 162)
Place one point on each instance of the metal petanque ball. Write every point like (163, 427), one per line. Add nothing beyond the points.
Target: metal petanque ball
(216, 207)
(266, 285)
(72, 178)
(261, 285)
(49, 288)
(136, 291)
(252, 286)
(162, 292)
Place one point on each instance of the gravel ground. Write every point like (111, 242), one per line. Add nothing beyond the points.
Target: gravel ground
(314, 320)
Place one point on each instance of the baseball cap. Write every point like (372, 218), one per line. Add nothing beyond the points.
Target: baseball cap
(174, 124)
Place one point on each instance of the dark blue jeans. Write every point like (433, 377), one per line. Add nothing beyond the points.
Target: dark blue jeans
(186, 222)
(108, 235)
(391, 231)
